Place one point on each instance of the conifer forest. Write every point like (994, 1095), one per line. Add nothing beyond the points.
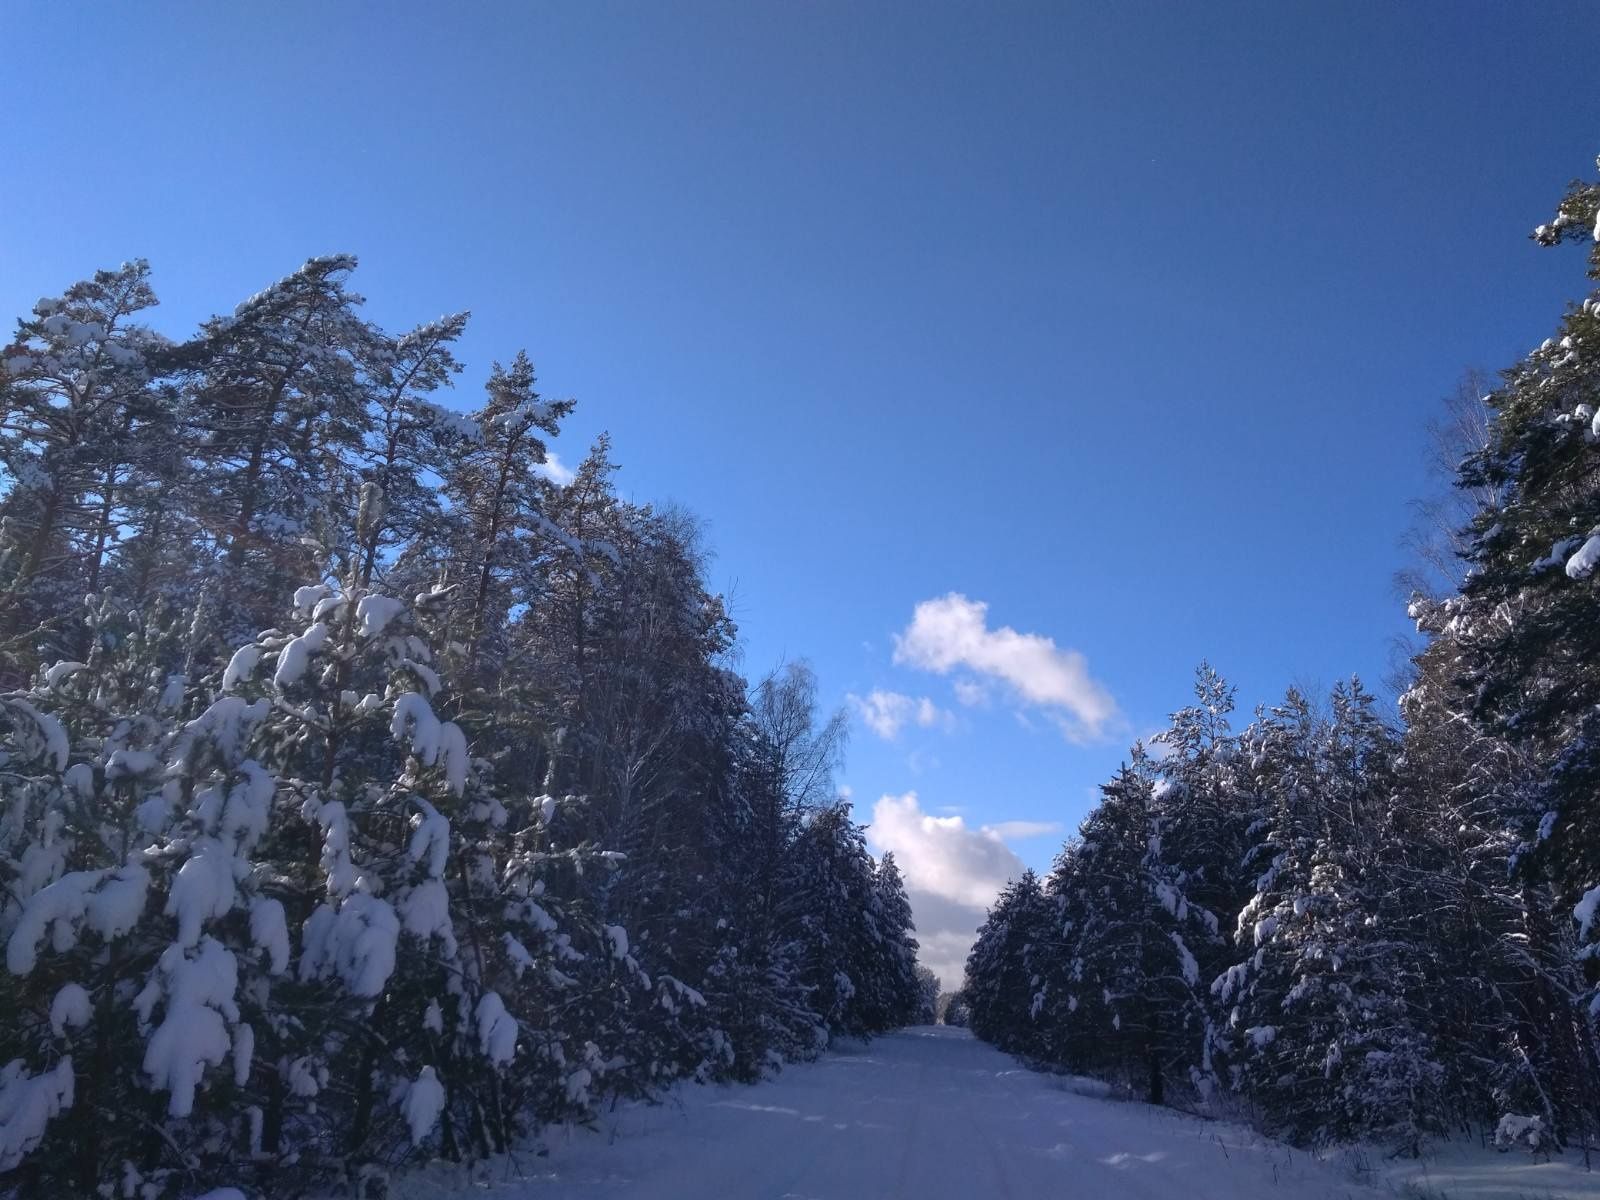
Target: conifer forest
(1362, 924)
(367, 793)
(425, 776)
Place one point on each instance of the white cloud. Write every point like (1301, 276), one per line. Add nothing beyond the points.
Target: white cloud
(553, 469)
(972, 693)
(1156, 750)
(930, 714)
(1017, 830)
(887, 713)
(952, 873)
(953, 632)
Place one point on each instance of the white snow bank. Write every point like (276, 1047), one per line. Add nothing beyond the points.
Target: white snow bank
(1467, 1171)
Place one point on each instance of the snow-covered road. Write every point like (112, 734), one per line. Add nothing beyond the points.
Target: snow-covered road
(927, 1114)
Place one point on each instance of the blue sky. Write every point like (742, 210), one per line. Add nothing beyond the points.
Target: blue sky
(1123, 320)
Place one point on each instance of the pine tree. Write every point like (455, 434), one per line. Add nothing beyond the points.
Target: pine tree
(1130, 929)
(838, 922)
(1503, 976)
(928, 995)
(1208, 813)
(1522, 620)
(894, 991)
(1509, 662)
(85, 420)
(141, 937)
(277, 399)
(498, 502)
(409, 439)
(999, 987)
(474, 832)
(1321, 1032)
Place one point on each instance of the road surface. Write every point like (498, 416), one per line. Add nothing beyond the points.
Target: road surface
(927, 1114)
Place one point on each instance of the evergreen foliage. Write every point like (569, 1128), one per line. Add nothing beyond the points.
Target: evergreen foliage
(1365, 929)
(365, 794)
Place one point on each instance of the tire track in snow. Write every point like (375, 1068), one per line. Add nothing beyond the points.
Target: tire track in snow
(909, 1147)
(992, 1150)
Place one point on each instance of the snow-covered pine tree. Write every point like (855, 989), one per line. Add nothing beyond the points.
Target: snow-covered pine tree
(498, 504)
(408, 440)
(143, 944)
(1320, 1031)
(1522, 621)
(85, 426)
(431, 957)
(413, 863)
(899, 992)
(953, 1009)
(784, 766)
(626, 656)
(1280, 748)
(1131, 928)
(1505, 983)
(278, 403)
(1208, 814)
(1507, 679)
(835, 902)
(1067, 1015)
(928, 993)
(1000, 987)
(753, 984)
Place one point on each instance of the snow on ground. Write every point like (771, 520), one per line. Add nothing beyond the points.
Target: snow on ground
(1463, 1172)
(928, 1114)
